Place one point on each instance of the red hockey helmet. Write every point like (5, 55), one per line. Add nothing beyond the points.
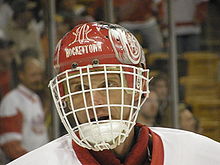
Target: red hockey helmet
(98, 42)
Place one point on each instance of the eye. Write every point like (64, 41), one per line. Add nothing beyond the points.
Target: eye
(110, 84)
(77, 88)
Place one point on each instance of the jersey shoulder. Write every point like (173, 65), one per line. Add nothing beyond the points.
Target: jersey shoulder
(187, 147)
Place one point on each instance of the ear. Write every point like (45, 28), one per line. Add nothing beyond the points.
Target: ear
(63, 91)
(136, 97)
(144, 88)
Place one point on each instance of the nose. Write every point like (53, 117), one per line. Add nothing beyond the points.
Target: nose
(98, 98)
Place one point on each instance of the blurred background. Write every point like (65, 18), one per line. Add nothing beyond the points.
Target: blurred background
(181, 40)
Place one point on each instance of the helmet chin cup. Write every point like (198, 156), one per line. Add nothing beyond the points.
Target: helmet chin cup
(103, 135)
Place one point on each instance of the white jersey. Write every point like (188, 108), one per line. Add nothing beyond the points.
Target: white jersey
(22, 113)
(187, 148)
(180, 147)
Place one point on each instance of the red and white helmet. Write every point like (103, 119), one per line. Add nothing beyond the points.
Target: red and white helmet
(89, 55)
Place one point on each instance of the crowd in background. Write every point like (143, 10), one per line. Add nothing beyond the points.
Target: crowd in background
(24, 35)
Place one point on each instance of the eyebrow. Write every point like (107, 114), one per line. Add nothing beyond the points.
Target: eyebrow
(114, 78)
(72, 81)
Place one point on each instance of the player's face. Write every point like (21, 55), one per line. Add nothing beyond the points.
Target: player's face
(32, 75)
(100, 97)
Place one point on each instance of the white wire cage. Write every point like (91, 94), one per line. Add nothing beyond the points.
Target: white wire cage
(104, 123)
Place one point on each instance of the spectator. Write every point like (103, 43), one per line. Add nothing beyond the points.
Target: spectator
(188, 121)
(149, 110)
(160, 86)
(22, 126)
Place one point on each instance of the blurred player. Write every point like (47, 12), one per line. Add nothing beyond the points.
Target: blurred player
(22, 126)
(101, 77)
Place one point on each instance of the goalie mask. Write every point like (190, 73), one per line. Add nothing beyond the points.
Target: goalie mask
(101, 79)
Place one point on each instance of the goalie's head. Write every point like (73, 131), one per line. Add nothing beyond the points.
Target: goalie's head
(101, 78)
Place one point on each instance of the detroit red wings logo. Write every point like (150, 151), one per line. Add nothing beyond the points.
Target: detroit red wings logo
(126, 47)
(81, 34)
(82, 44)
(133, 46)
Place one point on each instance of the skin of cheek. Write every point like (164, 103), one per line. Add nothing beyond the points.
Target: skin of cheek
(78, 103)
(115, 98)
